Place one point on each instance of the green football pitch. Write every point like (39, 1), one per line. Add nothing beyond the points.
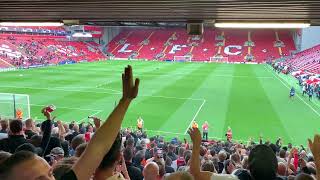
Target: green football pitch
(251, 99)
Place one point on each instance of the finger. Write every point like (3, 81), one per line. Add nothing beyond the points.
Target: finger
(130, 76)
(136, 87)
(310, 144)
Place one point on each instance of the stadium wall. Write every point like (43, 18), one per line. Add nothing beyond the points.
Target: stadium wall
(109, 33)
(310, 37)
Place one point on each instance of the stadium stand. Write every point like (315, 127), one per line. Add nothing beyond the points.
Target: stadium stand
(234, 45)
(36, 46)
(68, 149)
(307, 60)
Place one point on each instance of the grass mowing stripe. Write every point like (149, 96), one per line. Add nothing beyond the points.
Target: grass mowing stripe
(249, 106)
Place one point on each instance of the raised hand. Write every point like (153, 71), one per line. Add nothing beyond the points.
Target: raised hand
(129, 89)
(315, 149)
(195, 136)
(315, 146)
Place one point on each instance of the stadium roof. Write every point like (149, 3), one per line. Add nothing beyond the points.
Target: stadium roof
(114, 12)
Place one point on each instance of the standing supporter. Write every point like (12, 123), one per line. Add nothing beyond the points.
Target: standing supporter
(140, 123)
(134, 172)
(110, 161)
(205, 129)
(15, 138)
(4, 129)
(151, 171)
(195, 160)
(29, 128)
(75, 132)
(229, 134)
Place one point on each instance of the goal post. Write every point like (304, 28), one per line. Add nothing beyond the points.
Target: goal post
(14, 106)
(182, 58)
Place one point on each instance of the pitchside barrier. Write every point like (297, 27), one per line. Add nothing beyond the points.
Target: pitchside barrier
(14, 106)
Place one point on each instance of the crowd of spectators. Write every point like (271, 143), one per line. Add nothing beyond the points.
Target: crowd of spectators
(101, 150)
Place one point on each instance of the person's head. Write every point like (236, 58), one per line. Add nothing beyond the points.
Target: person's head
(4, 125)
(282, 153)
(75, 128)
(171, 148)
(181, 175)
(57, 153)
(112, 157)
(36, 140)
(63, 166)
(29, 123)
(151, 171)
(89, 128)
(282, 168)
(80, 149)
(181, 151)
(236, 158)
(3, 156)
(208, 166)
(130, 143)
(203, 151)
(222, 156)
(26, 147)
(76, 141)
(33, 167)
(263, 163)
(303, 176)
(128, 154)
(16, 127)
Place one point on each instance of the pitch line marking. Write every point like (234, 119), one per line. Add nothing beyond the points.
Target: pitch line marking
(91, 115)
(64, 107)
(276, 76)
(71, 90)
(194, 117)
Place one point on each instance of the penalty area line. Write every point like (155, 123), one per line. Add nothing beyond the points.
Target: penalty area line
(195, 116)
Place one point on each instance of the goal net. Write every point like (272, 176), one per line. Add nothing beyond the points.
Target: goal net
(182, 58)
(14, 106)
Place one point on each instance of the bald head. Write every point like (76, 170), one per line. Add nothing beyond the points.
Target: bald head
(282, 169)
(151, 171)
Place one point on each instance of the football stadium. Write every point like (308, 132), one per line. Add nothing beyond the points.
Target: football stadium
(139, 90)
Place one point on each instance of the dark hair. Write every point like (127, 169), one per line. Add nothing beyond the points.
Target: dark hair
(282, 153)
(112, 156)
(26, 147)
(303, 176)
(128, 154)
(16, 126)
(4, 155)
(263, 163)
(12, 161)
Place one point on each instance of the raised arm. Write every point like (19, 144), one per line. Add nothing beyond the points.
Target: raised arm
(195, 136)
(315, 149)
(103, 139)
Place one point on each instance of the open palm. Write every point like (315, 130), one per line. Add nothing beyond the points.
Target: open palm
(129, 89)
